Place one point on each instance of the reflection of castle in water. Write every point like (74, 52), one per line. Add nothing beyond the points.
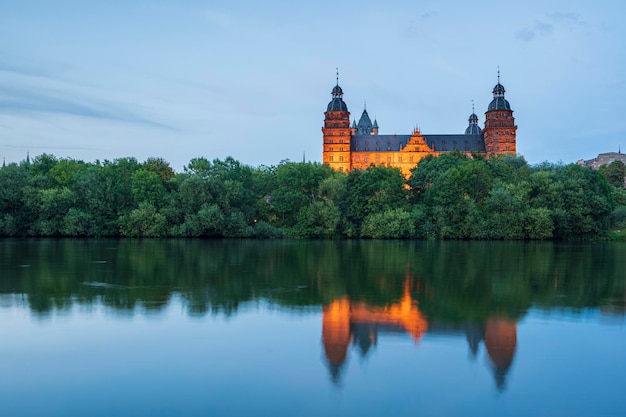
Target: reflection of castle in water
(345, 321)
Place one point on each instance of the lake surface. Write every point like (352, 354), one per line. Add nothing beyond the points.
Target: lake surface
(310, 328)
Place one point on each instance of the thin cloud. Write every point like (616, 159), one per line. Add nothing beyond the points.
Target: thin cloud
(23, 100)
(537, 29)
(547, 26)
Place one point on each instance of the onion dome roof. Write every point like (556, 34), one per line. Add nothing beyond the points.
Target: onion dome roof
(473, 128)
(499, 103)
(499, 89)
(337, 103)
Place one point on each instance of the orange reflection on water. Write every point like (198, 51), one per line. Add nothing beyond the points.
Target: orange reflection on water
(341, 316)
(345, 321)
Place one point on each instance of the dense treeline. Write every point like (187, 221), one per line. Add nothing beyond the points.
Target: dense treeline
(448, 197)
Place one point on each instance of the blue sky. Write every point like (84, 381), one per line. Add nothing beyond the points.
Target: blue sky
(189, 78)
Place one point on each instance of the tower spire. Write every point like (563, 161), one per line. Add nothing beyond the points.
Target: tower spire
(498, 74)
(337, 68)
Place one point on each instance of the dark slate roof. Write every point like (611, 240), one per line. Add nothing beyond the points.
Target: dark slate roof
(499, 103)
(473, 129)
(464, 143)
(499, 89)
(439, 143)
(337, 104)
(369, 143)
(365, 124)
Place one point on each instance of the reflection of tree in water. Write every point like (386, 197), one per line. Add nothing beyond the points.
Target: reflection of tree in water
(459, 285)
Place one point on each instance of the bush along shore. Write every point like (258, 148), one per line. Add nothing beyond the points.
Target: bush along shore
(451, 196)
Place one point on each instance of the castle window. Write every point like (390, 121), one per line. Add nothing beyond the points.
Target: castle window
(331, 148)
(389, 159)
(378, 159)
(508, 148)
(356, 158)
(341, 148)
(378, 148)
(366, 159)
(399, 159)
(389, 148)
(330, 158)
(410, 159)
(341, 159)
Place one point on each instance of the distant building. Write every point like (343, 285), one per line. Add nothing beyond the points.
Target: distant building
(358, 146)
(603, 159)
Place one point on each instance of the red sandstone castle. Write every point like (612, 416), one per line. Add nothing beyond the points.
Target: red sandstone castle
(360, 145)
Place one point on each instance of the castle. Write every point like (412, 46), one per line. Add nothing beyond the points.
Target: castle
(360, 145)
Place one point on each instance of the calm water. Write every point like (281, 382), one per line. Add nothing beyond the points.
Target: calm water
(301, 328)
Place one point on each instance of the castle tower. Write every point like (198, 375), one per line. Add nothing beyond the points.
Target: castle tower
(499, 131)
(337, 132)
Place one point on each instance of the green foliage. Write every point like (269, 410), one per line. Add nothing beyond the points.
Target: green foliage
(390, 224)
(452, 196)
(143, 221)
(370, 191)
(614, 173)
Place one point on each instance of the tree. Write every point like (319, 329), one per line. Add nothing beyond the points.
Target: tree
(614, 173)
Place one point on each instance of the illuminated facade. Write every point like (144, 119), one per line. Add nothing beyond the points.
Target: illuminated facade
(357, 146)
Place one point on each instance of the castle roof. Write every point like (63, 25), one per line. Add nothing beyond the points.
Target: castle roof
(438, 143)
(499, 103)
(473, 129)
(365, 124)
(337, 103)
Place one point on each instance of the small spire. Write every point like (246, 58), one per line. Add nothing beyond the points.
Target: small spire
(498, 74)
(28, 157)
(303, 157)
(337, 75)
(473, 107)
(4, 162)
(619, 149)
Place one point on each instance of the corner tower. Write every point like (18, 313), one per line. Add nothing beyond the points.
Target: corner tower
(337, 132)
(499, 131)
